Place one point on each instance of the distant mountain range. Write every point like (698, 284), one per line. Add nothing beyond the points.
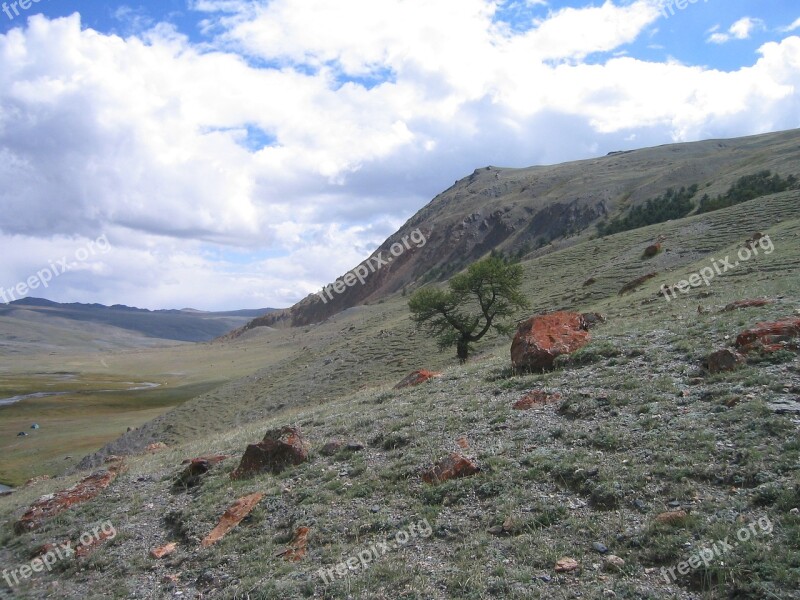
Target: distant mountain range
(185, 325)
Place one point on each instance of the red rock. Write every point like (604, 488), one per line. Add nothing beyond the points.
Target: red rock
(566, 565)
(536, 398)
(740, 304)
(416, 378)
(462, 443)
(163, 551)
(770, 337)
(452, 467)
(652, 251)
(542, 338)
(724, 360)
(156, 447)
(54, 504)
(297, 547)
(280, 449)
(232, 517)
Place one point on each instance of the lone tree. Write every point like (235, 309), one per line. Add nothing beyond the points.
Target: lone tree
(481, 299)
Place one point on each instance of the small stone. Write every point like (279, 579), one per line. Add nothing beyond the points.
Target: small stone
(795, 511)
(674, 504)
(613, 563)
(672, 518)
(640, 505)
(375, 508)
(567, 565)
(601, 548)
(545, 578)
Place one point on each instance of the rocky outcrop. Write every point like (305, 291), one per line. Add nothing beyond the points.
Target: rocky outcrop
(740, 304)
(196, 468)
(770, 337)
(51, 505)
(297, 547)
(541, 339)
(280, 449)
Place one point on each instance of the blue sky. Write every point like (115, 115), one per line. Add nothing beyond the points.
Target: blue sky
(243, 153)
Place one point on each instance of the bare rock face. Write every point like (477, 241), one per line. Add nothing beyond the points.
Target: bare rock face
(281, 448)
(770, 337)
(724, 360)
(452, 467)
(416, 378)
(541, 339)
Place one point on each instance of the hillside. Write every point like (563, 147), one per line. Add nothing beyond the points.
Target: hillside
(37, 325)
(639, 431)
(534, 211)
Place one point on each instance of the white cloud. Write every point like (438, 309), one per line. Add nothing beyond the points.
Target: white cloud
(740, 30)
(793, 27)
(368, 109)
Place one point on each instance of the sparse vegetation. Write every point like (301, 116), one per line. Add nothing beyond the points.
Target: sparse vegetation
(749, 188)
(671, 205)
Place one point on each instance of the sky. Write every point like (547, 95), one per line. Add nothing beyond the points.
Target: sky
(224, 154)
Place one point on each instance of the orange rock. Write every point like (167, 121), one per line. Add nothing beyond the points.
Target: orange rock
(462, 443)
(279, 450)
(232, 517)
(452, 467)
(770, 337)
(53, 504)
(163, 551)
(537, 397)
(416, 378)
(740, 304)
(542, 338)
(672, 518)
(566, 565)
(297, 548)
(652, 251)
(156, 447)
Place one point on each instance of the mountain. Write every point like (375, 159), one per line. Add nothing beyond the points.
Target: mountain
(122, 323)
(538, 210)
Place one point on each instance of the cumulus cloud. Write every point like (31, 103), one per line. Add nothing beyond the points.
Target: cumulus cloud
(740, 30)
(253, 168)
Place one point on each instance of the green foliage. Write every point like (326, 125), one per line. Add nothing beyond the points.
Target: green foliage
(477, 301)
(672, 205)
(747, 188)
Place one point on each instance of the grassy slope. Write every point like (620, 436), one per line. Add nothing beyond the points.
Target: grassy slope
(633, 426)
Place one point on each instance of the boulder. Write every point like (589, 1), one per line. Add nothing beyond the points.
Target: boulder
(593, 319)
(416, 378)
(542, 338)
(452, 467)
(163, 551)
(232, 517)
(723, 360)
(192, 475)
(770, 337)
(280, 449)
(652, 251)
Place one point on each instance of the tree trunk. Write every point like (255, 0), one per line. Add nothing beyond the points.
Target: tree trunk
(462, 351)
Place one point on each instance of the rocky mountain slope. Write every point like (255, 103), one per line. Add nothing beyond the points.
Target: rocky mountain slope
(537, 210)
